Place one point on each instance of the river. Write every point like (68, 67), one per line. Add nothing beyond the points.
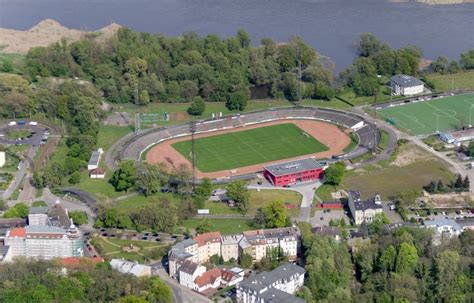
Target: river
(331, 26)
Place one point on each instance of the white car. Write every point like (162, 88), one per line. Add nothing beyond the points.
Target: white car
(12, 123)
(34, 123)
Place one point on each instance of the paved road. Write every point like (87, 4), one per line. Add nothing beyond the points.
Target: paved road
(181, 293)
(20, 174)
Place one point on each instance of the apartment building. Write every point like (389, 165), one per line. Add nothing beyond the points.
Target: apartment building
(279, 285)
(230, 247)
(186, 250)
(209, 244)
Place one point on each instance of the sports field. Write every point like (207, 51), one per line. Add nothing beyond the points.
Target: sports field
(254, 146)
(426, 117)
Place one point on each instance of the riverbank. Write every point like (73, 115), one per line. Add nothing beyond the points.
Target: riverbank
(46, 32)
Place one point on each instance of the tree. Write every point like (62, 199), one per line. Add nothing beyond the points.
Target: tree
(19, 210)
(204, 189)
(238, 192)
(160, 291)
(459, 182)
(466, 183)
(244, 38)
(440, 186)
(204, 227)
(368, 45)
(471, 149)
(275, 216)
(198, 107)
(246, 261)
(78, 217)
(467, 60)
(124, 177)
(75, 178)
(407, 258)
(237, 101)
(440, 65)
(451, 281)
(334, 174)
(37, 180)
(387, 259)
(150, 177)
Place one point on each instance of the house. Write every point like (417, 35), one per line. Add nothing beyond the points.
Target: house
(94, 159)
(232, 276)
(328, 231)
(97, 173)
(188, 272)
(186, 250)
(406, 85)
(230, 247)
(129, 267)
(364, 211)
(283, 174)
(209, 244)
(279, 285)
(209, 281)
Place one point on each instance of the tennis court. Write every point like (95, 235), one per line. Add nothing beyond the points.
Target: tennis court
(427, 117)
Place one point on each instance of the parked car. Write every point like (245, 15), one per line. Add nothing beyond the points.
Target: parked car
(34, 123)
(21, 122)
(11, 123)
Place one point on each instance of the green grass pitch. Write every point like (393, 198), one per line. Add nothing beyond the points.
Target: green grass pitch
(443, 114)
(249, 147)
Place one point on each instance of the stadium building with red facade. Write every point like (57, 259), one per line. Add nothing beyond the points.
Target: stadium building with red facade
(294, 172)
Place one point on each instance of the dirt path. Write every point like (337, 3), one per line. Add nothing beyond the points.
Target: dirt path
(328, 134)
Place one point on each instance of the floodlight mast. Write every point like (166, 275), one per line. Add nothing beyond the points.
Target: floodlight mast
(192, 129)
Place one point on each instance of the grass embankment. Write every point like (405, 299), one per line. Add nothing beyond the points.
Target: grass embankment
(117, 248)
(254, 146)
(461, 80)
(225, 226)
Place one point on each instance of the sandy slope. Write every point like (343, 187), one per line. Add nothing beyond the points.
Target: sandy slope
(44, 33)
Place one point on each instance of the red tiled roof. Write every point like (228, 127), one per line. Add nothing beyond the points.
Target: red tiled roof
(18, 232)
(209, 277)
(202, 239)
(228, 275)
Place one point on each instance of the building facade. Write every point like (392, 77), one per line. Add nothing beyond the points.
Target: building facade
(209, 244)
(230, 247)
(294, 172)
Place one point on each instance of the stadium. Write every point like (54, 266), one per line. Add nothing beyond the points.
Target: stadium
(242, 144)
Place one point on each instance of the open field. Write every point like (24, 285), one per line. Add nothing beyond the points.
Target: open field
(259, 199)
(427, 117)
(461, 80)
(244, 148)
(108, 134)
(225, 226)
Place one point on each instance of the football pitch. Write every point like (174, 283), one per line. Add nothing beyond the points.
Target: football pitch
(249, 147)
(427, 117)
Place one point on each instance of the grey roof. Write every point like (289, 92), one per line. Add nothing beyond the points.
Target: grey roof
(274, 295)
(94, 160)
(44, 229)
(231, 239)
(327, 230)
(293, 167)
(189, 267)
(3, 251)
(363, 205)
(39, 210)
(264, 279)
(178, 250)
(12, 222)
(406, 81)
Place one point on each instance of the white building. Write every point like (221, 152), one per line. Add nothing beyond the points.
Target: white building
(44, 242)
(95, 159)
(2, 158)
(230, 247)
(188, 272)
(129, 267)
(443, 229)
(97, 173)
(279, 285)
(186, 250)
(38, 216)
(209, 244)
(364, 211)
(406, 85)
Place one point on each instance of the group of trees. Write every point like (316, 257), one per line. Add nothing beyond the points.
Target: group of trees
(238, 192)
(443, 65)
(142, 68)
(459, 184)
(272, 215)
(400, 265)
(376, 58)
(43, 281)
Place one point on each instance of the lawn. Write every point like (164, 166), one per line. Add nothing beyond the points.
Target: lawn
(244, 148)
(108, 134)
(259, 199)
(427, 117)
(461, 80)
(100, 188)
(11, 162)
(113, 248)
(17, 133)
(137, 201)
(225, 226)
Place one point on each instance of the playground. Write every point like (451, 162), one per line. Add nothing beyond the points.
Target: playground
(430, 116)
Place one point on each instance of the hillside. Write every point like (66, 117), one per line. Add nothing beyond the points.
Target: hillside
(46, 32)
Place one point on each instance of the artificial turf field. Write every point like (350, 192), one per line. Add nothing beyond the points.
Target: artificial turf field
(426, 117)
(254, 146)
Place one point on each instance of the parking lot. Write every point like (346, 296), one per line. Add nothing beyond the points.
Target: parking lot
(323, 216)
(136, 236)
